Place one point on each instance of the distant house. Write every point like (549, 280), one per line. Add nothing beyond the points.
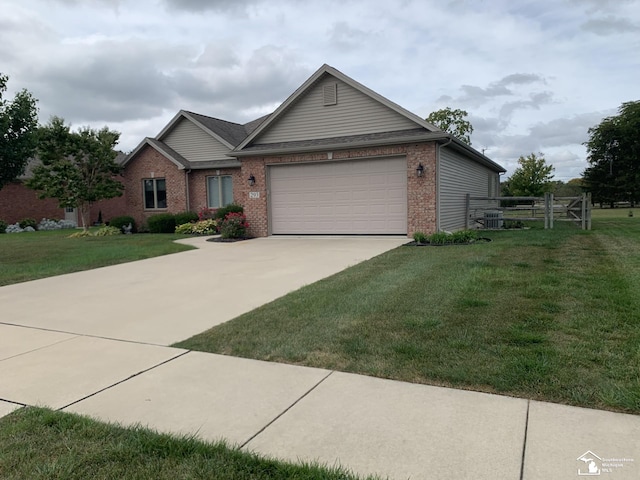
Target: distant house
(334, 158)
(17, 202)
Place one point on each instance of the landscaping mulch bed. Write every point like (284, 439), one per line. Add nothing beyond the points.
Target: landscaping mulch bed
(228, 240)
(416, 244)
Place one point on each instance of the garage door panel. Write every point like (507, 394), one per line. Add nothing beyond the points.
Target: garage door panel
(359, 197)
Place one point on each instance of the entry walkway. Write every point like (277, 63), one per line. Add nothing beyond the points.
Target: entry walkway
(370, 425)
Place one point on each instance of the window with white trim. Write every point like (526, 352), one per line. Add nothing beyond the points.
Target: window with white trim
(219, 191)
(155, 193)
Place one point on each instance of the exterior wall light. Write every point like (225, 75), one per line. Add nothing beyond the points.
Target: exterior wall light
(252, 180)
(420, 170)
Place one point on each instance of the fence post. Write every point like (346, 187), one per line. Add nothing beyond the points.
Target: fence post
(551, 202)
(467, 211)
(589, 211)
(546, 210)
(583, 213)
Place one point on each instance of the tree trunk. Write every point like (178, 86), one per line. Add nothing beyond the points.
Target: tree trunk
(84, 215)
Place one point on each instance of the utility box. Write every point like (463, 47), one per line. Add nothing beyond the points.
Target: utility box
(493, 219)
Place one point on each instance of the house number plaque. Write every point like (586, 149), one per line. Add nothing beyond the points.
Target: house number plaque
(254, 194)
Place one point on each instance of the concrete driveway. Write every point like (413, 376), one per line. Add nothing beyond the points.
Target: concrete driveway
(166, 299)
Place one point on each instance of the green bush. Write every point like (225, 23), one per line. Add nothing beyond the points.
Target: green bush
(162, 223)
(234, 225)
(28, 222)
(119, 222)
(3, 226)
(108, 231)
(185, 229)
(439, 238)
(420, 237)
(464, 236)
(186, 217)
(222, 213)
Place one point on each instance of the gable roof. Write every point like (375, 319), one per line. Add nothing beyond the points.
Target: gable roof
(227, 133)
(161, 148)
(306, 86)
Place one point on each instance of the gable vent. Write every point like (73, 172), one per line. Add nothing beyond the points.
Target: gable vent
(330, 94)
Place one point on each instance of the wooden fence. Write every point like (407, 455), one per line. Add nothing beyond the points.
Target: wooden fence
(491, 212)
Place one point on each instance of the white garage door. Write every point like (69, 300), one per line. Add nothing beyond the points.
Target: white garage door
(343, 197)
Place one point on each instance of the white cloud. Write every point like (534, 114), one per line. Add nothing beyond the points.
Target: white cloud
(534, 76)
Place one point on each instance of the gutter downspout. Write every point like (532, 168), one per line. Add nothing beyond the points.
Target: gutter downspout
(438, 181)
(187, 171)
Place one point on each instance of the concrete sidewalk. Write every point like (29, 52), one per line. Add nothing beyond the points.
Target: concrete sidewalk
(370, 425)
(295, 413)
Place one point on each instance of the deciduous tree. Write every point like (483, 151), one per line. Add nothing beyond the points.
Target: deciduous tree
(613, 153)
(454, 122)
(78, 168)
(532, 178)
(18, 125)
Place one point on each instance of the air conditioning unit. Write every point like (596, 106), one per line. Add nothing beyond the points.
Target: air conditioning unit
(493, 219)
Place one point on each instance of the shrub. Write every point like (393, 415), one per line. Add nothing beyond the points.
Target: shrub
(185, 229)
(204, 227)
(186, 217)
(221, 213)
(162, 223)
(439, 238)
(108, 231)
(206, 213)
(420, 237)
(464, 236)
(234, 225)
(120, 222)
(28, 222)
(3, 226)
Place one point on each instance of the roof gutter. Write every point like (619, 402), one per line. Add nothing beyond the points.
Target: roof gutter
(338, 146)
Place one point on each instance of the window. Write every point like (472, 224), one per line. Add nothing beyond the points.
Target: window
(155, 193)
(219, 191)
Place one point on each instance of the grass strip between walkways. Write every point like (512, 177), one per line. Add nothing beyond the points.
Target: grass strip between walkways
(39, 443)
(552, 315)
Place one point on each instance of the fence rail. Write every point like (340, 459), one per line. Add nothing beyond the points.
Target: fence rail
(492, 212)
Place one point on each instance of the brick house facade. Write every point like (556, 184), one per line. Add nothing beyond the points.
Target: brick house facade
(386, 154)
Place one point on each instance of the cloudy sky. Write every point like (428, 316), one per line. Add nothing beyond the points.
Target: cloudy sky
(533, 75)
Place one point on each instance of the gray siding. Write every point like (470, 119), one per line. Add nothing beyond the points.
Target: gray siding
(195, 144)
(354, 114)
(458, 176)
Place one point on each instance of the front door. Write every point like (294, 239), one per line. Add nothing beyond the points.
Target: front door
(71, 214)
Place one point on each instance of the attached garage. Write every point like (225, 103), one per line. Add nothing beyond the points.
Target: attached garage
(362, 197)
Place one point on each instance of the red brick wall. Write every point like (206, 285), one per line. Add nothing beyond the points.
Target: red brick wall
(151, 164)
(421, 194)
(17, 202)
(198, 186)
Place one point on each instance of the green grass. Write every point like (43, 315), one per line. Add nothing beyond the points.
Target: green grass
(41, 444)
(552, 315)
(29, 256)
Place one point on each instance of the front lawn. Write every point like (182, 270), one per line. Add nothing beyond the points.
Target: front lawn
(41, 444)
(551, 315)
(29, 256)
